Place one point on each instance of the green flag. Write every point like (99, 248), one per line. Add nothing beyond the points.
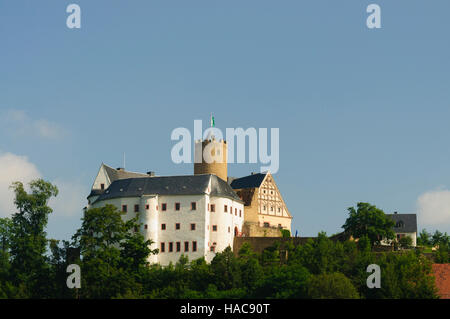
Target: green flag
(213, 123)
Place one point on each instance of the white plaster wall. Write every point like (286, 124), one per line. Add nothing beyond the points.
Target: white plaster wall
(185, 216)
(154, 217)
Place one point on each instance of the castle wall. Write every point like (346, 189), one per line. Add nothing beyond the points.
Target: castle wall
(203, 219)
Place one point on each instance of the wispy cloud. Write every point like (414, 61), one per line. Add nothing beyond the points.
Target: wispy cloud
(433, 208)
(19, 123)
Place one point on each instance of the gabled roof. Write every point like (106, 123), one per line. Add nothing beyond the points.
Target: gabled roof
(115, 174)
(169, 185)
(250, 181)
(405, 223)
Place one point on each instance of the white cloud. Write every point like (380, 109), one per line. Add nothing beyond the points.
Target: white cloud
(13, 168)
(433, 208)
(69, 202)
(18, 123)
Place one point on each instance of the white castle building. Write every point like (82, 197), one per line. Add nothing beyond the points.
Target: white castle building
(195, 215)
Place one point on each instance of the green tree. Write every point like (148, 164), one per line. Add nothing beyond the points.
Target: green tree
(424, 238)
(405, 242)
(28, 240)
(331, 286)
(225, 270)
(369, 220)
(113, 255)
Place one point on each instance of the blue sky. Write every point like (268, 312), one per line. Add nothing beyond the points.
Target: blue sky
(363, 114)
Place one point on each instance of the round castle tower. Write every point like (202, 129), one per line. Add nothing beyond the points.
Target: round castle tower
(211, 157)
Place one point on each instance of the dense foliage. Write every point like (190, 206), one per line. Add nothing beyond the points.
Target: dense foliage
(113, 263)
(368, 220)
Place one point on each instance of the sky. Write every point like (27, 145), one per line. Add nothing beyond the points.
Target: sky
(363, 114)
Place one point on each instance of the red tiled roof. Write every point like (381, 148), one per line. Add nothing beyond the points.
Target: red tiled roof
(442, 275)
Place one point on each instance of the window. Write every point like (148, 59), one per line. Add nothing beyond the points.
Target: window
(214, 228)
(164, 207)
(194, 246)
(163, 247)
(231, 210)
(145, 226)
(124, 208)
(177, 206)
(177, 226)
(163, 226)
(193, 206)
(240, 213)
(266, 225)
(170, 247)
(136, 208)
(213, 207)
(178, 246)
(229, 229)
(212, 248)
(135, 229)
(225, 208)
(192, 226)
(235, 211)
(102, 186)
(186, 246)
(147, 207)
(279, 209)
(264, 208)
(271, 208)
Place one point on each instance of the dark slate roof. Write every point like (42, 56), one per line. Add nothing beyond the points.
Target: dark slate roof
(115, 174)
(96, 192)
(409, 222)
(250, 181)
(168, 185)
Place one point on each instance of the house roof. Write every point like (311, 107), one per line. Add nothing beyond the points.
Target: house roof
(404, 223)
(442, 275)
(250, 181)
(169, 185)
(116, 174)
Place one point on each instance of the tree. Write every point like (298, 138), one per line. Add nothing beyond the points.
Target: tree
(112, 254)
(437, 238)
(225, 270)
(405, 242)
(28, 240)
(369, 220)
(424, 238)
(331, 286)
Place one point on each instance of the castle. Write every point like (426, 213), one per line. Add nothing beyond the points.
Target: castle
(195, 215)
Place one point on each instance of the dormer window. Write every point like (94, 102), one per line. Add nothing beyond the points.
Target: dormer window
(102, 186)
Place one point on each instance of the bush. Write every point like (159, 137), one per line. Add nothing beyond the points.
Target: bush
(331, 286)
